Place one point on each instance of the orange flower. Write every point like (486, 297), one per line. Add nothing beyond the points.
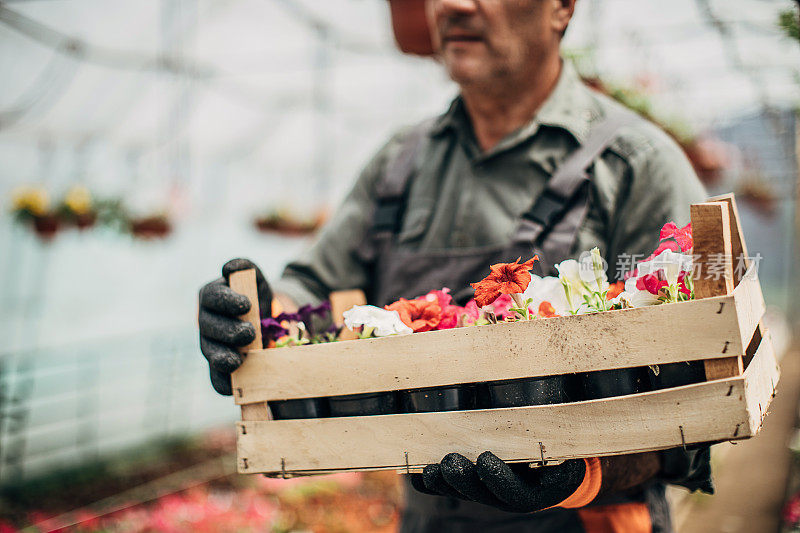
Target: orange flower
(615, 289)
(546, 310)
(419, 314)
(506, 278)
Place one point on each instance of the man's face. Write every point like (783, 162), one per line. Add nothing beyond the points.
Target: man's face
(485, 41)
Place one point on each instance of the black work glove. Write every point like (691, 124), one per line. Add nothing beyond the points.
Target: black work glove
(221, 331)
(509, 487)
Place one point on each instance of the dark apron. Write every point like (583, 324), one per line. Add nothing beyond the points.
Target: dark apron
(549, 229)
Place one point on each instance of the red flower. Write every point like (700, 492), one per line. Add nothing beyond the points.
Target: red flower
(653, 283)
(683, 236)
(505, 278)
(650, 283)
(419, 315)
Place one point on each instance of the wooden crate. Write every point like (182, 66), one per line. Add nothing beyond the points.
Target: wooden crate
(722, 328)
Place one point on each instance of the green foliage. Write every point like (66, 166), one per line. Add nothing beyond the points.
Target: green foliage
(789, 22)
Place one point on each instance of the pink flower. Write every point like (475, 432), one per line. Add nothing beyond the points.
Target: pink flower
(471, 312)
(442, 297)
(502, 305)
(683, 235)
(450, 314)
(791, 511)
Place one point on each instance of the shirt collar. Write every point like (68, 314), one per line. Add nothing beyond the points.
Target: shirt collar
(569, 106)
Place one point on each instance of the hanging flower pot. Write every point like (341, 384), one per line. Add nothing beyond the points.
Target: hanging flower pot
(410, 27)
(150, 227)
(30, 205)
(46, 226)
(709, 157)
(85, 221)
(285, 223)
(77, 208)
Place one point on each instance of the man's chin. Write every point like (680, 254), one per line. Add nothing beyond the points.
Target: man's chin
(466, 72)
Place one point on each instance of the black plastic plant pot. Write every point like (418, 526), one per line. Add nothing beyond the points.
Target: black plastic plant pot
(616, 382)
(371, 403)
(677, 374)
(528, 391)
(288, 409)
(433, 399)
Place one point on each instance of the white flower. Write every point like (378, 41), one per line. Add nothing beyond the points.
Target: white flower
(551, 289)
(635, 297)
(577, 279)
(670, 262)
(382, 321)
(593, 266)
(547, 289)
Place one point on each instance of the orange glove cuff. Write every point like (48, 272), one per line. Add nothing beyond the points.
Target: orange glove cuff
(588, 489)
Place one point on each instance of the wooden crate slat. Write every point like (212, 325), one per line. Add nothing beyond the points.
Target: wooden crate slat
(713, 274)
(738, 246)
(616, 339)
(244, 282)
(709, 411)
(761, 379)
(750, 305)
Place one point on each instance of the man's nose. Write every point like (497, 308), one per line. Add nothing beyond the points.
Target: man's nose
(455, 6)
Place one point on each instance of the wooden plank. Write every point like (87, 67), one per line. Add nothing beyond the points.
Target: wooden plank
(244, 282)
(626, 424)
(713, 269)
(750, 305)
(760, 381)
(341, 301)
(672, 333)
(738, 246)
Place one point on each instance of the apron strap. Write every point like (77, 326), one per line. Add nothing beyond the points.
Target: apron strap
(392, 189)
(552, 223)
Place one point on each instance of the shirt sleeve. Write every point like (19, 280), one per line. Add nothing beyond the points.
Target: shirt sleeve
(333, 261)
(660, 187)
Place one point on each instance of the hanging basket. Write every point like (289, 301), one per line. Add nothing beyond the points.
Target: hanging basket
(46, 226)
(410, 27)
(150, 227)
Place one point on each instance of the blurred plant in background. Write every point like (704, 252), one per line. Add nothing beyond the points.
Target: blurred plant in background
(211, 499)
(30, 206)
(789, 22)
(286, 222)
(77, 207)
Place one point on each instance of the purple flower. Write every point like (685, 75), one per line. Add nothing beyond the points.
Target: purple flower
(308, 312)
(272, 330)
(288, 317)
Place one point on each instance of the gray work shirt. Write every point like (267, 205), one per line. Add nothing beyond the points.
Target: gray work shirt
(465, 197)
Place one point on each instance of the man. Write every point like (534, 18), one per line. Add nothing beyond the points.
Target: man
(526, 158)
